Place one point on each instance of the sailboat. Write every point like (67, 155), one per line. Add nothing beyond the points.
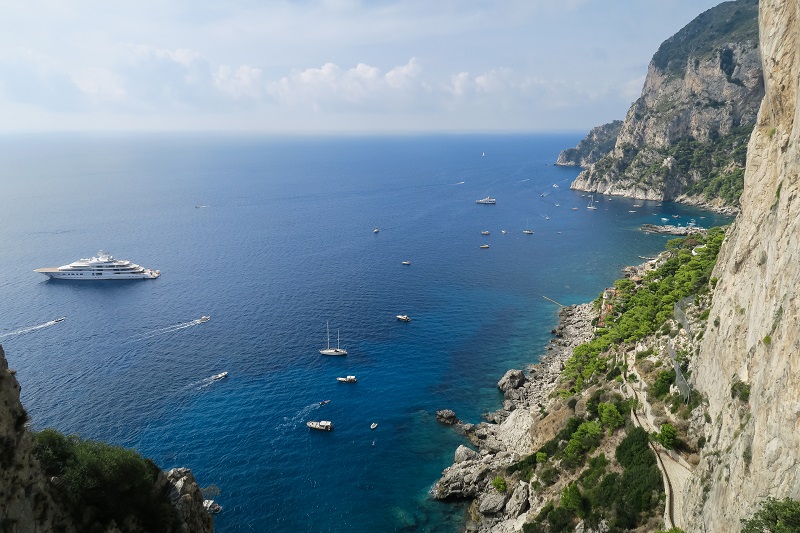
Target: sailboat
(527, 231)
(591, 202)
(329, 350)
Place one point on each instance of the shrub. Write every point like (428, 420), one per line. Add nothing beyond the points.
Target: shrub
(740, 390)
(499, 483)
(660, 388)
(586, 437)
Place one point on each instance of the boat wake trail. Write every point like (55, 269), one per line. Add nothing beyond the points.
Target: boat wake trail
(31, 328)
(298, 418)
(171, 329)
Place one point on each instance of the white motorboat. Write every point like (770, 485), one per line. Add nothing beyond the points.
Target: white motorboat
(219, 376)
(101, 267)
(404, 318)
(333, 351)
(376, 230)
(487, 201)
(204, 318)
(348, 379)
(211, 506)
(527, 231)
(406, 263)
(484, 246)
(323, 425)
(484, 233)
(373, 425)
(60, 319)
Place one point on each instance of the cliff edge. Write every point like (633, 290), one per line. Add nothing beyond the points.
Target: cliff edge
(748, 364)
(31, 500)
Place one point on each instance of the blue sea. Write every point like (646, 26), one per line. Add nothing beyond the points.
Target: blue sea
(273, 238)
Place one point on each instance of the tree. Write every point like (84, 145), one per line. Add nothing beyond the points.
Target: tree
(571, 498)
(775, 516)
(667, 436)
(609, 416)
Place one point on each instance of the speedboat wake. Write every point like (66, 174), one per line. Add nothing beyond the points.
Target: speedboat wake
(298, 418)
(173, 328)
(32, 328)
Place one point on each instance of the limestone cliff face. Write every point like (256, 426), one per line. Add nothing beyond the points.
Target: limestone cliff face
(595, 145)
(704, 84)
(28, 501)
(753, 448)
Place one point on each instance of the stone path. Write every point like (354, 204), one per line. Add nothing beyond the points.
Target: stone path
(674, 469)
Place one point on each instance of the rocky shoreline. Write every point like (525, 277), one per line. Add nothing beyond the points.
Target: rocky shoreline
(508, 436)
(673, 230)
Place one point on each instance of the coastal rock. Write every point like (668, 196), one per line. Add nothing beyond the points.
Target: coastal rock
(513, 379)
(518, 502)
(186, 497)
(465, 454)
(447, 416)
(492, 502)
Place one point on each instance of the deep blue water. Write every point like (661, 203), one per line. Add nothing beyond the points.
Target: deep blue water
(284, 245)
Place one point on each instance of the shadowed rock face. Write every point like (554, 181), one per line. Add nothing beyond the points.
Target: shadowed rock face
(27, 502)
(756, 309)
(705, 83)
(596, 144)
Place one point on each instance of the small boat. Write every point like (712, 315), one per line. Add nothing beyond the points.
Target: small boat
(211, 506)
(403, 318)
(322, 425)
(200, 206)
(406, 263)
(219, 376)
(484, 233)
(637, 205)
(676, 216)
(574, 208)
(373, 425)
(487, 201)
(376, 230)
(60, 319)
(558, 205)
(664, 219)
(527, 231)
(631, 210)
(204, 318)
(348, 379)
(333, 351)
(324, 402)
(591, 203)
(503, 232)
(555, 185)
(484, 246)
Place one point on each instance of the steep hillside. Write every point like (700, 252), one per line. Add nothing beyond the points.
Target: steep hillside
(748, 365)
(684, 139)
(597, 143)
(49, 482)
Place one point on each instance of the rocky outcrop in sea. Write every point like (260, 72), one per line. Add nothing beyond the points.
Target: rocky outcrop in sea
(508, 434)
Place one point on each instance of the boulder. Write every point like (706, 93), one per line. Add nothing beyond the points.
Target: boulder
(512, 380)
(465, 454)
(447, 416)
(492, 502)
(518, 502)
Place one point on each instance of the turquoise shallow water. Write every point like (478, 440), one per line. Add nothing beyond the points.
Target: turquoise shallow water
(284, 245)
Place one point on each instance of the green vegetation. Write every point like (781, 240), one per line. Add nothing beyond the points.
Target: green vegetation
(720, 164)
(740, 390)
(642, 310)
(622, 500)
(668, 436)
(499, 483)
(104, 482)
(609, 416)
(709, 33)
(774, 516)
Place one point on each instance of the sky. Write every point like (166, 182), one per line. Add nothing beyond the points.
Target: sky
(327, 66)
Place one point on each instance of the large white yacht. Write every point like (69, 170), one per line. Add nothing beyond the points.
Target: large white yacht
(101, 267)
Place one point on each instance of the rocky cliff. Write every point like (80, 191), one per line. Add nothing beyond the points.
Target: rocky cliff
(748, 365)
(684, 138)
(31, 502)
(599, 142)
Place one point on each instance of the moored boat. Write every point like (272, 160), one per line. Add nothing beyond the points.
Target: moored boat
(322, 425)
(348, 379)
(403, 318)
(333, 351)
(486, 201)
(98, 268)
